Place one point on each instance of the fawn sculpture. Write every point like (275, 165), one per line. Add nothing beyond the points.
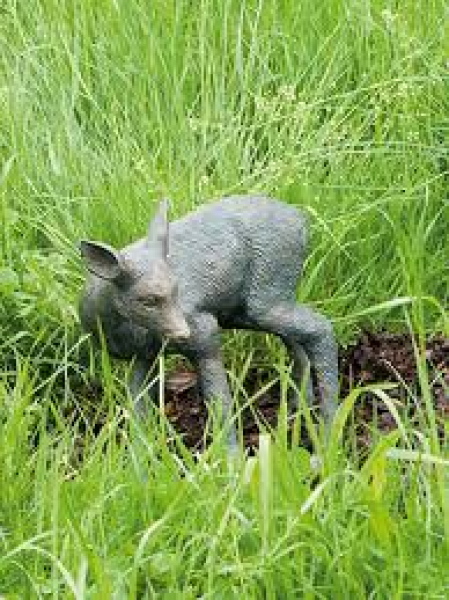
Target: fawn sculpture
(234, 263)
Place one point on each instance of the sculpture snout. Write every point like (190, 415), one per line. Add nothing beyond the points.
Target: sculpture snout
(178, 328)
(179, 334)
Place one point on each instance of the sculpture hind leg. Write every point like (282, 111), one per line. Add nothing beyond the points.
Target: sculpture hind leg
(300, 368)
(305, 331)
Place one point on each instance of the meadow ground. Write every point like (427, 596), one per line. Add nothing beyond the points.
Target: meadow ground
(341, 108)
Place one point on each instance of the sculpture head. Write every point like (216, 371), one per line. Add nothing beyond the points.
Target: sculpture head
(142, 289)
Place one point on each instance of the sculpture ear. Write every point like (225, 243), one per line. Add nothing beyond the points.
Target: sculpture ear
(101, 260)
(158, 236)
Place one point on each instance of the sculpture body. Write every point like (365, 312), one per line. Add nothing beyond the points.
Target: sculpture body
(234, 263)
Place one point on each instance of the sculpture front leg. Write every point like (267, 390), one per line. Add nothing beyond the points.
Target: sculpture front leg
(205, 351)
(215, 389)
(137, 382)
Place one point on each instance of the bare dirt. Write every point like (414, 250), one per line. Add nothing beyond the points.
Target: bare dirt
(377, 358)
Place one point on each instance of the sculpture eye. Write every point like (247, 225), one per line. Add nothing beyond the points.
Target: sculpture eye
(151, 301)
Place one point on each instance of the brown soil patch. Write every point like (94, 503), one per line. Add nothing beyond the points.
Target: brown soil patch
(376, 358)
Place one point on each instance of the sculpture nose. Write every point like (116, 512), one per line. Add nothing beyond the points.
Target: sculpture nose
(181, 333)
(179, 329)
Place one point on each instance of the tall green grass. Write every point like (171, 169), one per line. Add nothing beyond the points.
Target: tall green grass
(134, 519)
(340, 108)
